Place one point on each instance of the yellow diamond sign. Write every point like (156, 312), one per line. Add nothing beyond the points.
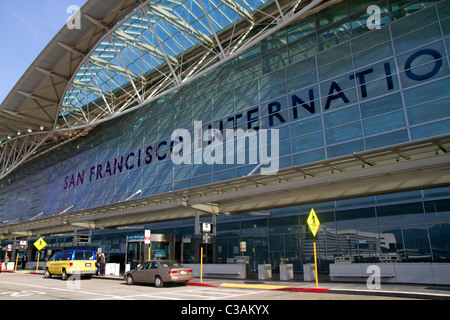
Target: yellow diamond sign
(313, 222)
(40, 244)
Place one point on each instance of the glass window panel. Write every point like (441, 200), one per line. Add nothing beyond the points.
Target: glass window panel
(284, 225)
(436, 192)
(400, 214)
(355, 202)
(272, 79)
(285, 211)
(308, 157)
(341, 116)
(307, 126)
(387, 139)
(430, 130)
(334, 54)
(292, 248)
(300, 67)
(391, 241)
(417, 244)
(303, 48)
(372, 55)
(343, 133)
(417, 38)
(383, 123)
(331, 15)
(429, 112)
(246, 89)
(445, 25)
(438, 211)
(273, 92)
(229, 229)
(413, 21)
(402, 196)
(355, 218)
(381, 105)
(274, 41)
(427, 92)
(371, 39)
(336, 68)
(276, 245)
(440, 242)
(307, 142)
(280, 55)
(304, 80)
(328, 39)
(254, 227)
(345, 148)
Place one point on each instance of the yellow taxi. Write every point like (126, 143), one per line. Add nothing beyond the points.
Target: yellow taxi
(69, 262)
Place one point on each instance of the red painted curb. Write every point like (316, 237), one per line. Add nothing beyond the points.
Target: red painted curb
(200, 284)
(12, 271)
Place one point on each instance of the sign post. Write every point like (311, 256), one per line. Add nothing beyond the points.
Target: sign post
(314, 223)
(201, 264)
(39, 244)
(148, 240)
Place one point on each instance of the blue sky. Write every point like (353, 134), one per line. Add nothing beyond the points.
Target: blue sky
(26, 27)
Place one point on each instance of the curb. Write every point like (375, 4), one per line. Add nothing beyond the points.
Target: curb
(24, 272)
(399, 294)
(201, 284)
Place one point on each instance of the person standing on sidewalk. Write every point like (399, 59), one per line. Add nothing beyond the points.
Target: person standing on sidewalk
(97, 264)
(24, 261)
(102, 264)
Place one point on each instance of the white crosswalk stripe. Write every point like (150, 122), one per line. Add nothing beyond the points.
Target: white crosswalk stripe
(195, 294)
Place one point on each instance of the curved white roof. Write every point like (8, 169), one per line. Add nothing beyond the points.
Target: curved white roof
(126, 54)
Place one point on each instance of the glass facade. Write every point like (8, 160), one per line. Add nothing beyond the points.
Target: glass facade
(330, 85)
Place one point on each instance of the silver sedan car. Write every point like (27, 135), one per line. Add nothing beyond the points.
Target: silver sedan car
(159, 272)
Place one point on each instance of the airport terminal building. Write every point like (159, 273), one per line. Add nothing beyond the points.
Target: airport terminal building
(159, 115)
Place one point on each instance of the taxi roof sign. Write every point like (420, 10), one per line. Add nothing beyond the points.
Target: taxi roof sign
(40, 244)
(313, 222)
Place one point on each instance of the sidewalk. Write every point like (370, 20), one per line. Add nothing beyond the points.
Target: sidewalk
(418, 291)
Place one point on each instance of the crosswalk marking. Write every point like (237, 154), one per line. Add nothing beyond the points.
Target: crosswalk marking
(196, 294)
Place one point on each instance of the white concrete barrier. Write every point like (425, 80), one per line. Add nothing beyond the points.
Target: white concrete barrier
(419, 273)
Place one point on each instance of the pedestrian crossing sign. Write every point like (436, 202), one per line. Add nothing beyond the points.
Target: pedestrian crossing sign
(313, 222)
(40, 244)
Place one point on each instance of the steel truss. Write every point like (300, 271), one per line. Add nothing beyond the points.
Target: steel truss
(157, 48)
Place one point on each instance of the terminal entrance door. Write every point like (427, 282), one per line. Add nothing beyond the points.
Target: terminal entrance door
(134, 254)
(163, 247)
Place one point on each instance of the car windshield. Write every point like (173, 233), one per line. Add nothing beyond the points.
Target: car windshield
(170, 264)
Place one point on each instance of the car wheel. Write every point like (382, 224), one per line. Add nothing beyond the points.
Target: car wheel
(47, 274)
(158, 282)
(130, 280)
(64, 275)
